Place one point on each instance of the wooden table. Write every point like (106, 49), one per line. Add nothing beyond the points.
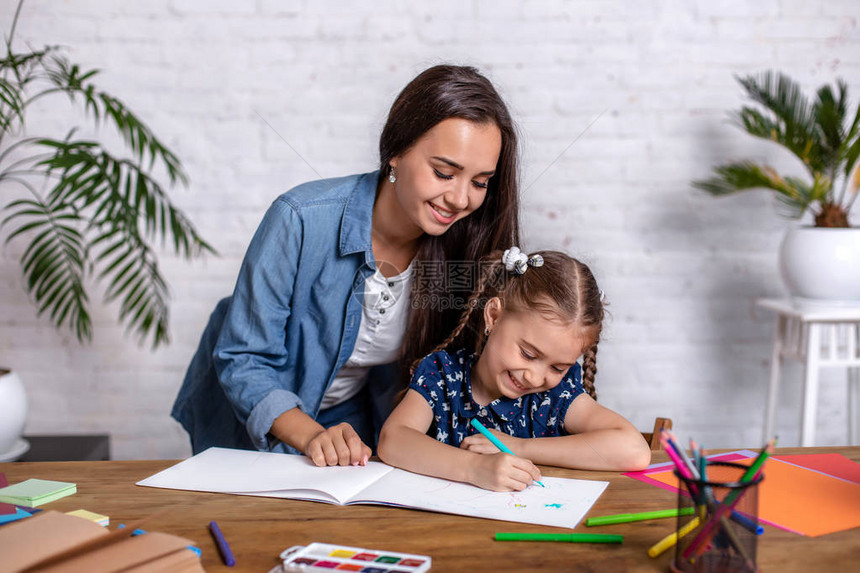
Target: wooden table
(259, 528)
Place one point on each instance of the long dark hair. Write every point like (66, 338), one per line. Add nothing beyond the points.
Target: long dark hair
(562, 287)
(440, 93)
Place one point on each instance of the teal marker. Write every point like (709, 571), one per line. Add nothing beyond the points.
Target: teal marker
(496, 441)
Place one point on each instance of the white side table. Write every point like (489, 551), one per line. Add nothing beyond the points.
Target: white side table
(820, 336)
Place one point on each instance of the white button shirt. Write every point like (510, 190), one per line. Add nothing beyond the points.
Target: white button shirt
(380, 334)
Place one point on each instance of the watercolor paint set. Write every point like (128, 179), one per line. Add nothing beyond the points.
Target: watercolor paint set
(318, 557)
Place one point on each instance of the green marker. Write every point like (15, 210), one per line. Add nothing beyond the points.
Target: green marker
(645, 515)
(563, 537)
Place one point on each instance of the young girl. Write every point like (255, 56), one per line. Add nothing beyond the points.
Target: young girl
(540, 314)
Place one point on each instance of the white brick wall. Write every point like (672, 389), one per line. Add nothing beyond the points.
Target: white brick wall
(681, 269)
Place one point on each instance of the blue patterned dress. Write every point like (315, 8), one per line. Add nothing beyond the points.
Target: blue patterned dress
(444, 381)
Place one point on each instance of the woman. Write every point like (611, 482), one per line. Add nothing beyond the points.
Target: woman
(303, 357)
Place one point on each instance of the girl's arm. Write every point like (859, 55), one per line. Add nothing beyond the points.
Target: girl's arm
(404, 443)
(599, 439)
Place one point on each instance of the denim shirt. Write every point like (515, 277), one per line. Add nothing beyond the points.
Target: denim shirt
(292, 321)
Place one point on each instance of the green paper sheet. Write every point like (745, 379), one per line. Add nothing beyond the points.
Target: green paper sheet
(34, 492)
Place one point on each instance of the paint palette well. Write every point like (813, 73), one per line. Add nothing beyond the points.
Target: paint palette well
(318, 557)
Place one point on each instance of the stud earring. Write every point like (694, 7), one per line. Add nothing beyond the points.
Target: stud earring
(392, 176)
(487, 331)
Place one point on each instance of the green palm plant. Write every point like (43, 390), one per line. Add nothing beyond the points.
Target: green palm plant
(818, 132)
(88, 213)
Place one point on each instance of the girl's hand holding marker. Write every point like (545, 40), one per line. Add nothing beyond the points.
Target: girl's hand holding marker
(503, 472)
(497, 443)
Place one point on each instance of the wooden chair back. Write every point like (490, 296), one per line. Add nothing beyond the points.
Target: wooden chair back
(653, 437)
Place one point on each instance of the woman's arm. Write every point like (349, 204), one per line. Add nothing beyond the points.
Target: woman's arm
(404, 443)
(251, 357)
(599, 439)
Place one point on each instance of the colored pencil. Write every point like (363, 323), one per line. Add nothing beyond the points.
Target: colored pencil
(694, 471)
(738, 545)
(683, 469)
(679, 463)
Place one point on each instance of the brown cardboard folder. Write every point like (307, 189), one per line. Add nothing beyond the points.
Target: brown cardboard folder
(58, 543)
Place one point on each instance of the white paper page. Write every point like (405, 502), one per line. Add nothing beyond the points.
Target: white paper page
(225, 470)
(562, 503)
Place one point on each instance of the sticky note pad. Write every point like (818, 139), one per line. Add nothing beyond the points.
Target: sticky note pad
(102, 520)
(33, 492)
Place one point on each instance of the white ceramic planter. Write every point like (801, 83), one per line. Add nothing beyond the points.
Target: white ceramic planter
(13, 411)
(822, 264)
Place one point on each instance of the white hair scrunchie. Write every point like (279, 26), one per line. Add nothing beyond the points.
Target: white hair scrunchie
(517, 261)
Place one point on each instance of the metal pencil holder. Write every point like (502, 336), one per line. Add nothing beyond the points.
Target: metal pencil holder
(721, 535)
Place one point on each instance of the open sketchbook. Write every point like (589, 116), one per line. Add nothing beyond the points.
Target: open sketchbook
(562, 503)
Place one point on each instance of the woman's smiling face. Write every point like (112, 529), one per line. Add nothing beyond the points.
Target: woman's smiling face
(443, 177)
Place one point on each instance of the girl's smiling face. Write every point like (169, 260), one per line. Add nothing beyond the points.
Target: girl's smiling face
(526, 352)
(443, 177)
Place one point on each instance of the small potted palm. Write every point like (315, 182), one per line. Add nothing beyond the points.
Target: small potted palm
(82, 211)
(819, 261)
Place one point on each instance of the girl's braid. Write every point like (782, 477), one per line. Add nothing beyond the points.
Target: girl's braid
(474, 301)
(589, 369)
(591, 311)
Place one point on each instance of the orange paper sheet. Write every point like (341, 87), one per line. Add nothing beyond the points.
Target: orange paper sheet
(799, 499)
